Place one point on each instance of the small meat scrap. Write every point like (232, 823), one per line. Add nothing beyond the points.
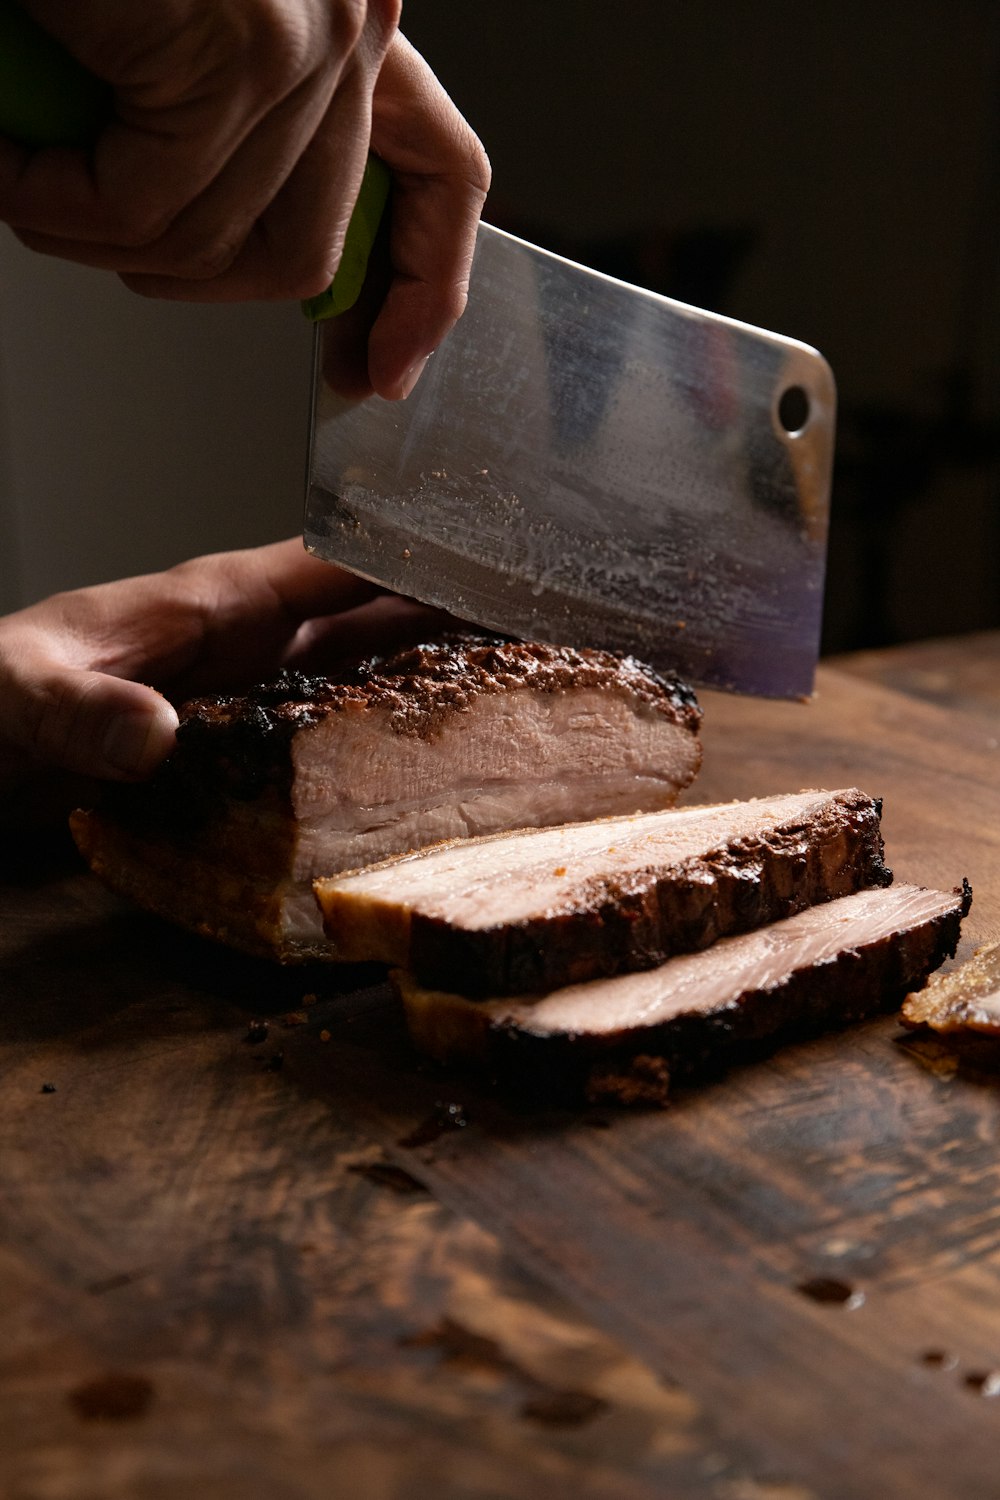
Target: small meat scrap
(965, 1000)
(630, 1036)
(306, 776)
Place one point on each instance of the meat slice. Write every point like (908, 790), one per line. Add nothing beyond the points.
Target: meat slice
(308, 776)
(965, 1001)
(540, 908)
(629, 1037)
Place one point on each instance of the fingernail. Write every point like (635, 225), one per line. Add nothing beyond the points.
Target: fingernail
(411, 377)
(129, 743)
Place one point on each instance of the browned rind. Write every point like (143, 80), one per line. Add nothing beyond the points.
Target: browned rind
(964, 1000)
(305, 776)
(639, 1058)
(617, 920)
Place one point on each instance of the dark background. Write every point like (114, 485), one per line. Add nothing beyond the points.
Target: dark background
(830, 171)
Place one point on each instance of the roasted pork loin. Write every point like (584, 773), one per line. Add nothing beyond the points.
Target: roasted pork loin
(541, 908)
(963, 1002)
(309, 776)
(627, 1038)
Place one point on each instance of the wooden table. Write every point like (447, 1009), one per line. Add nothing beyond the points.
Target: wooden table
(253, 1269)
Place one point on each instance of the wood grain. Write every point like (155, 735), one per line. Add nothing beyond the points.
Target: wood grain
(213, 1282)
(954, 671)
(597, 1305)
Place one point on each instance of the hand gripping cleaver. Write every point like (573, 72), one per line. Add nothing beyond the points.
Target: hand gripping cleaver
(589, 463)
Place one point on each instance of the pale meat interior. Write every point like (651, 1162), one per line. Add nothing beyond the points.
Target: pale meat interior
(716, 977)
(509, 877)
(512, 760)
(361, 792)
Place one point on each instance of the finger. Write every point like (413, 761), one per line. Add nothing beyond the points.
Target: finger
(291, 246)
(85, 722)
(229, 611)
(249, 606)
(281, 579)
(440, 179)
(191, 86)
(224, 243)
(379, 628)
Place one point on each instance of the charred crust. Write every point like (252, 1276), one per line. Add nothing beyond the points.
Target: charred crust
(424, 683)
(640, 1067)
(237, 746)
(645, 917)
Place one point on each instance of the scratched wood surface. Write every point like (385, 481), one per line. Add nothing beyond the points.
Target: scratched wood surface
(266, 1268)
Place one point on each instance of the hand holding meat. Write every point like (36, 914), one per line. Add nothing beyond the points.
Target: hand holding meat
(233, 161)
(81, 672)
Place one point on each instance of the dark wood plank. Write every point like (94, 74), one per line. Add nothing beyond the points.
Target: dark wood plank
(213, 1282)
(856, 1157)
(179, 1212)
(955, 671)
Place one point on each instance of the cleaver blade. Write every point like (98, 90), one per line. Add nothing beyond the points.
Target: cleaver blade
(592, 464)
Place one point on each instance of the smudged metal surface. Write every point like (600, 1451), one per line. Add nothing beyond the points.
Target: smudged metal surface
(586, 462)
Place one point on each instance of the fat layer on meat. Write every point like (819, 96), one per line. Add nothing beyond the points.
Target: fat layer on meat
(308, 776)
(629, 1036)
(543, 907)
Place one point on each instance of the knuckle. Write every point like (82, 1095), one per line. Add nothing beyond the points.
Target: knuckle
(348, 24)
(480, 167)
(471, 160)
(311, 276)
(454, 300)
(387, 14)
(201, 260)
(138, 225)
(52, 719)
(211, 258)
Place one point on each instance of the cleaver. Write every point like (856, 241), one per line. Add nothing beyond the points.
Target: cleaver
(588, 463)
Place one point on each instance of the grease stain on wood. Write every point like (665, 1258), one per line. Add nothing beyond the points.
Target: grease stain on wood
(386, 1174)
(833, 1292)
(545, 1404)
(445, 1117)
(114, 1397)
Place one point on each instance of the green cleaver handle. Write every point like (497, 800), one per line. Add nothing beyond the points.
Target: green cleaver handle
(47, 98)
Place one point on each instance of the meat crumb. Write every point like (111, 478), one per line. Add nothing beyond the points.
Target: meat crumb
(48, 1088)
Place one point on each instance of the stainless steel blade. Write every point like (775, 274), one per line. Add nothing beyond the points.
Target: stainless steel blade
(589, 463)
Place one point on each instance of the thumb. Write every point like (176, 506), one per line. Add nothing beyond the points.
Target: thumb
(89, 722)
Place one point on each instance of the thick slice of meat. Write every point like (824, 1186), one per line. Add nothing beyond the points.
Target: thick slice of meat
(540, 908)
(308, 776)
(964, 1001)
(630, 1036)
